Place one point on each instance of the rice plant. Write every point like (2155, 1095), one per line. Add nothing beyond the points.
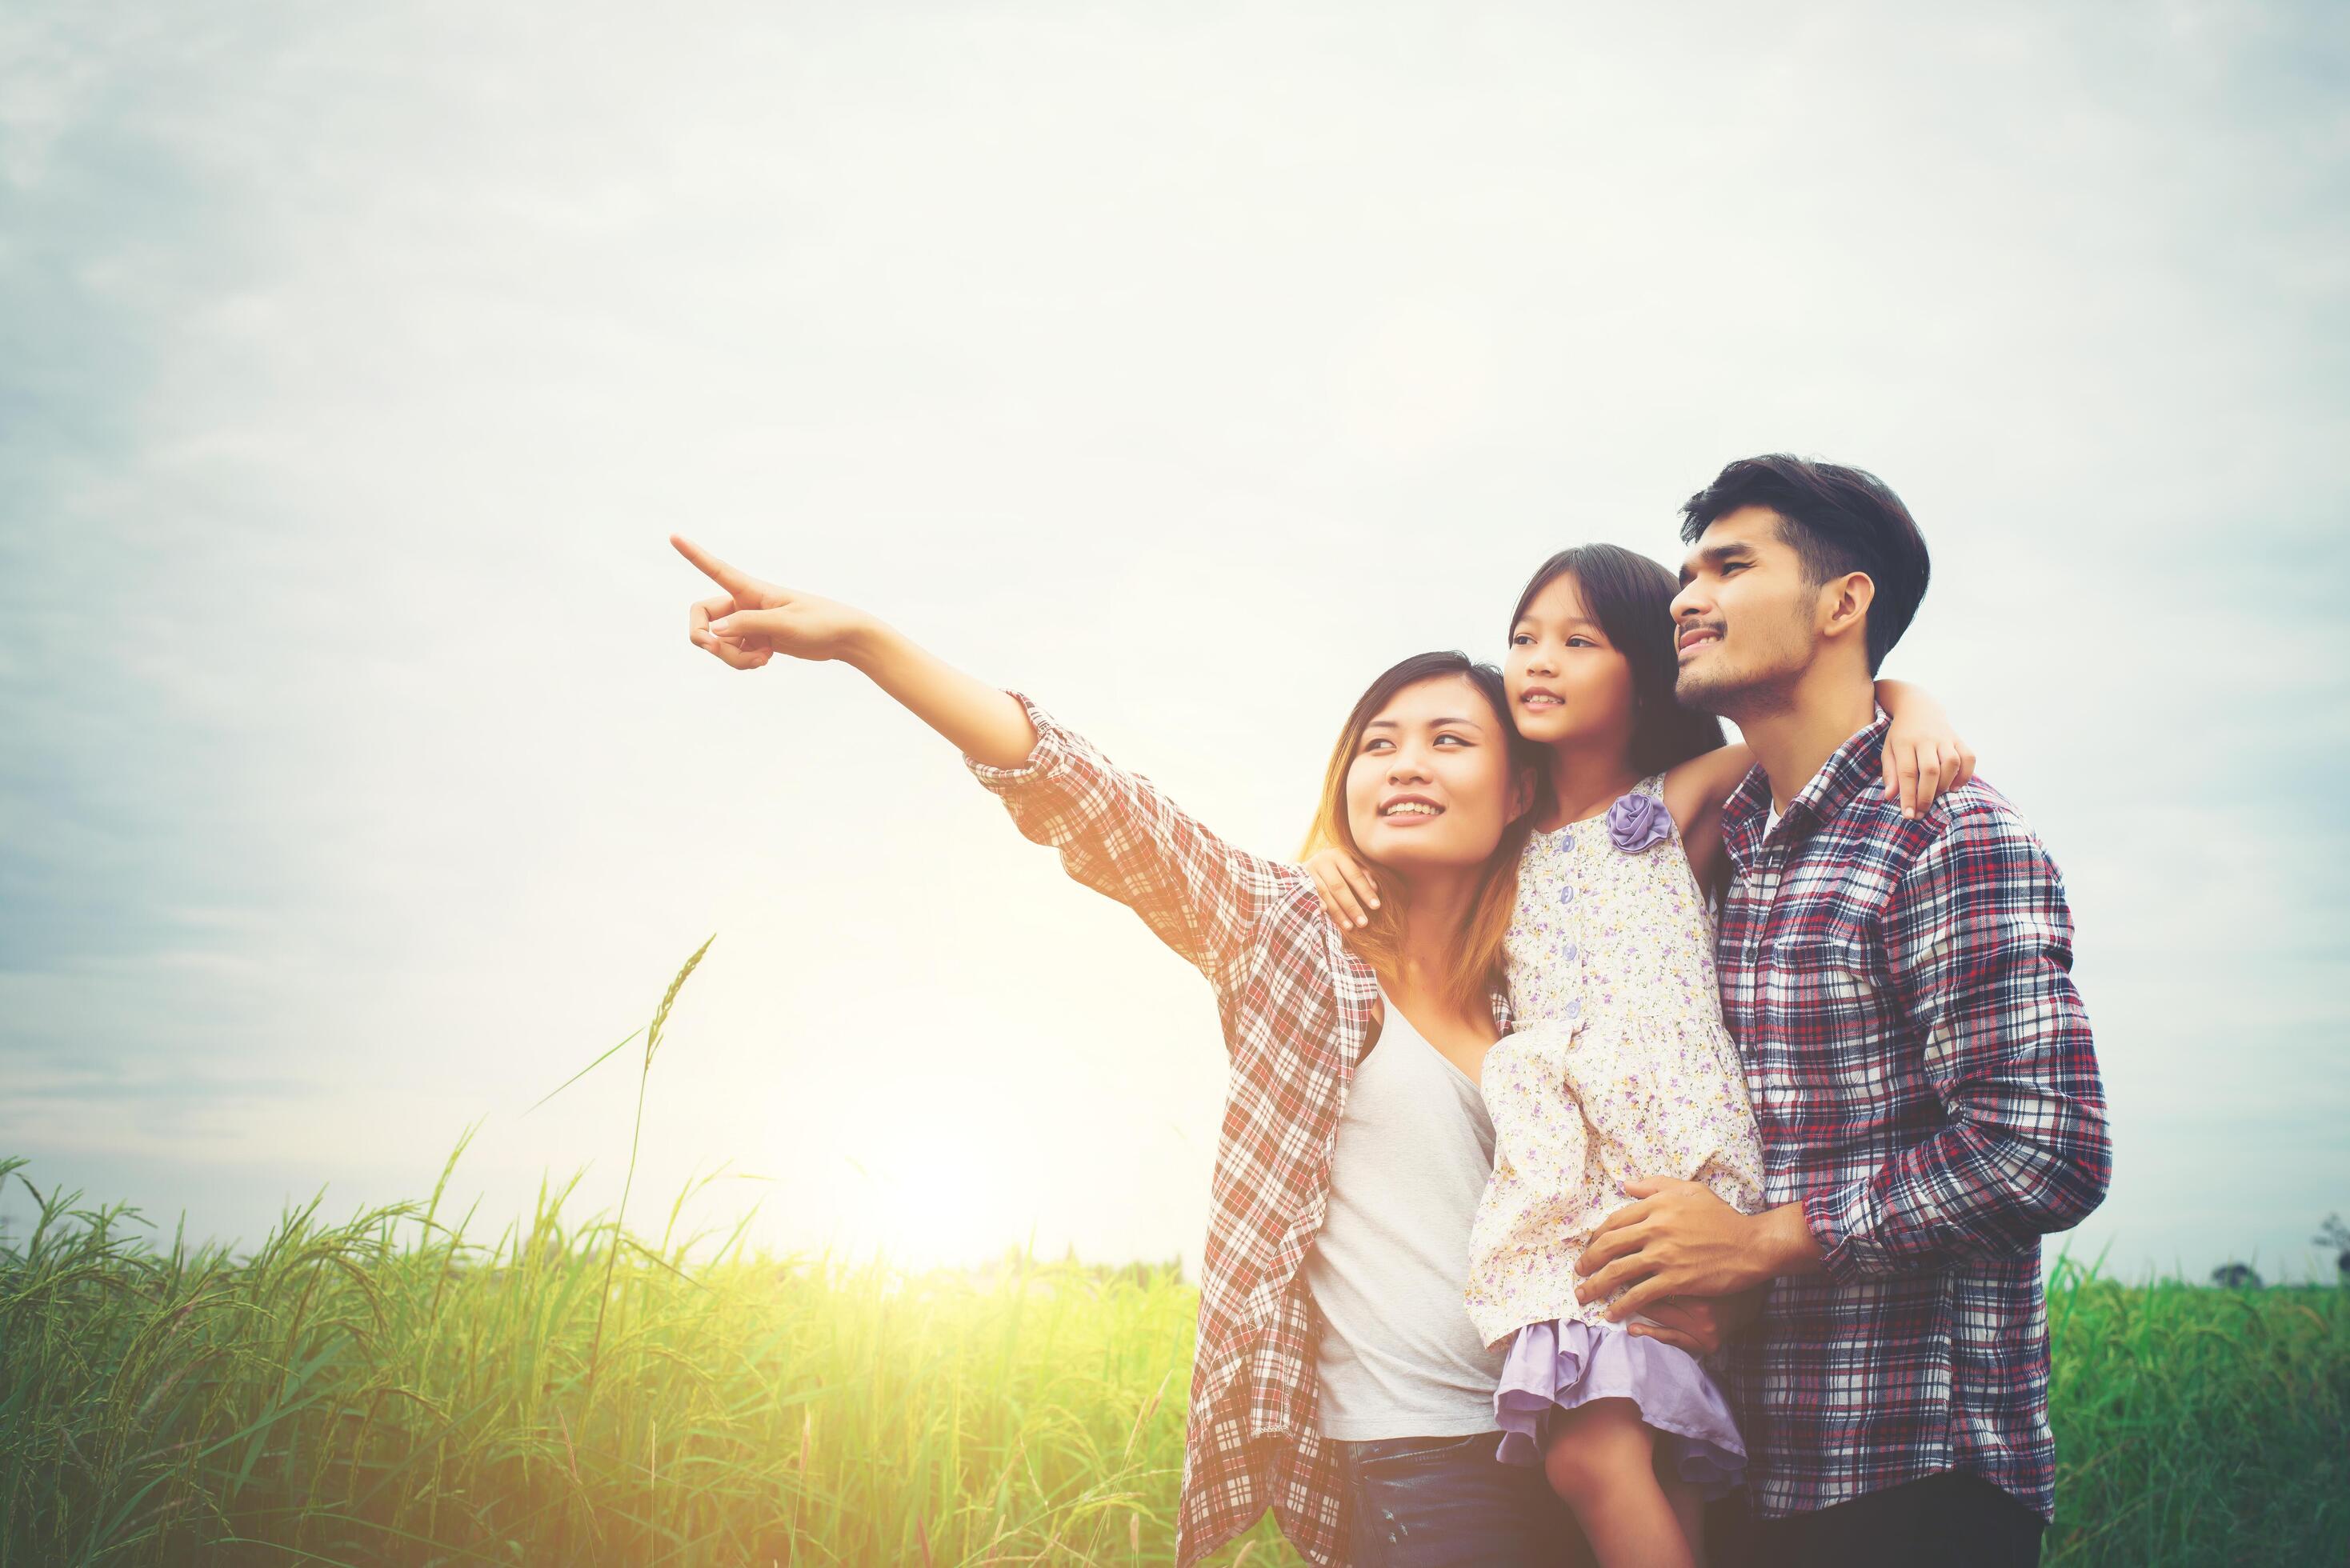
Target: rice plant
(396, 1389)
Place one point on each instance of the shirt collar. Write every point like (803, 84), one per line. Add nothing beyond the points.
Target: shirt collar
(1743, 817)
(1850, 769)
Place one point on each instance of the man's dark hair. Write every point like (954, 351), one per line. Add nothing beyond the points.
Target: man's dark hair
(1836, 520)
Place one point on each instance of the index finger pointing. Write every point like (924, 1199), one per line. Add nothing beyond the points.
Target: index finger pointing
(728, 577)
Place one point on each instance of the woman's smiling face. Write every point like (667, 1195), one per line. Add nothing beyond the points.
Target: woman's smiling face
(1430, 783)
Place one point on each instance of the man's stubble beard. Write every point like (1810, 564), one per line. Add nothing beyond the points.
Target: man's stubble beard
(1737, 701)
(1761, 696)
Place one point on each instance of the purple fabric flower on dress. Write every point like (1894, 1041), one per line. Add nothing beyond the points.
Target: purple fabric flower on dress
(1638, 822)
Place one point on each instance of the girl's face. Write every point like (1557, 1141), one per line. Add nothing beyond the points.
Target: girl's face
(1568, 685)
(1430, 785)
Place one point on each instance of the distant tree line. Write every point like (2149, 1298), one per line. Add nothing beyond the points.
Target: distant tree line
(2332, 1235)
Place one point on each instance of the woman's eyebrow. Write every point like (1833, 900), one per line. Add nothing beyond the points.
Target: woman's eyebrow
(1431, 724)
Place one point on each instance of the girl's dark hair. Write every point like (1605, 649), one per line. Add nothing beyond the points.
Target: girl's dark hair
(1632, 597)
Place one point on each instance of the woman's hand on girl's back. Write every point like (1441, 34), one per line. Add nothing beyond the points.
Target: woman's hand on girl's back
(753, 620)
(1347, 892)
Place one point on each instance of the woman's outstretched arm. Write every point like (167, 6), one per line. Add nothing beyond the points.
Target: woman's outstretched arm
(756, 620)
(1115, 832)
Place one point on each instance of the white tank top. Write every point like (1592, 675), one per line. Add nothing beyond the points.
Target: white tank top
(1399, 1356)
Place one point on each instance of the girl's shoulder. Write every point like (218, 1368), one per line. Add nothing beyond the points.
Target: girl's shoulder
(1635, 845)
(1640, 819)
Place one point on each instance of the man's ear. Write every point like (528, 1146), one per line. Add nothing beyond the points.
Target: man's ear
(1843, 604)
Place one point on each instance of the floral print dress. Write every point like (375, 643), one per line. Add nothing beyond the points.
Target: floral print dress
(1618, 1066)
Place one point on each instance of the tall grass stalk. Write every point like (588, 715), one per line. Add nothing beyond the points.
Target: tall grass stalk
(636, 1138)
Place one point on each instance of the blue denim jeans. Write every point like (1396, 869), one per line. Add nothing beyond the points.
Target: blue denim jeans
(1447, 1502)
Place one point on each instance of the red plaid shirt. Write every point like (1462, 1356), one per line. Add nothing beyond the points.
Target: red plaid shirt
(1297, 1009)
(1922, 1070)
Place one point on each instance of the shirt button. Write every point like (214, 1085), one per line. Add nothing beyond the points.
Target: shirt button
(1567, 895)
(1570, 953)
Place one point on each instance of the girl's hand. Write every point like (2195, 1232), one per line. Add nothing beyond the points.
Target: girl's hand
(1346, 889)
(752, 620)
(1923, 758)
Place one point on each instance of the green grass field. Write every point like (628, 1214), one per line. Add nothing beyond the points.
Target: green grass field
(393, 1391)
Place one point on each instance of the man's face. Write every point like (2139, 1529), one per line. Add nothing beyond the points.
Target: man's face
(1743, 623)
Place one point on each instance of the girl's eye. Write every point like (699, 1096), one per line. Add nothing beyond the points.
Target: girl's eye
(1580, 642)
(1455, 740)
(1518, 638)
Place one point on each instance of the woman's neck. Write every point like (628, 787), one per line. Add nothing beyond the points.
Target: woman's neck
(1434, 915)
(1584, 780)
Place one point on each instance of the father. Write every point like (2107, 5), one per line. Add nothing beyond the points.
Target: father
(1916, 1055)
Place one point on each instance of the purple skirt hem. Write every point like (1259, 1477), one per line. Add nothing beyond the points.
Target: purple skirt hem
(1553, 1366)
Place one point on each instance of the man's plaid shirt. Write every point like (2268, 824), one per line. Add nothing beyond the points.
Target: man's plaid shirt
(1297, 1009)
(1922, 1070)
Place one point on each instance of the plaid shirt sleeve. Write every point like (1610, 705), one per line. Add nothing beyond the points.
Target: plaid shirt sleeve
(1981, 944)
(1119, 835)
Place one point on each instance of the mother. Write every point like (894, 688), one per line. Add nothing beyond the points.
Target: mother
(1337, 1380)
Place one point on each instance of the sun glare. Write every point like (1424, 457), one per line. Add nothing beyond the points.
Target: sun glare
(943, 1202)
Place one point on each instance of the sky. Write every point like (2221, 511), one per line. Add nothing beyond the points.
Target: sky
(1181, 367)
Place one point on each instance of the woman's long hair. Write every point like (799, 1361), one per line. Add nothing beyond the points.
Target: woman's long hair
(1632, 597)
(1477, 959)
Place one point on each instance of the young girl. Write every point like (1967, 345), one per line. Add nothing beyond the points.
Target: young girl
(1618, 1067)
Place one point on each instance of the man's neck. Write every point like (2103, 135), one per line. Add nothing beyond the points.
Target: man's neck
(1794, 738)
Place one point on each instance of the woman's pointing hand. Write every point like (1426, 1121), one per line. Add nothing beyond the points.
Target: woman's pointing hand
(753, 620)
